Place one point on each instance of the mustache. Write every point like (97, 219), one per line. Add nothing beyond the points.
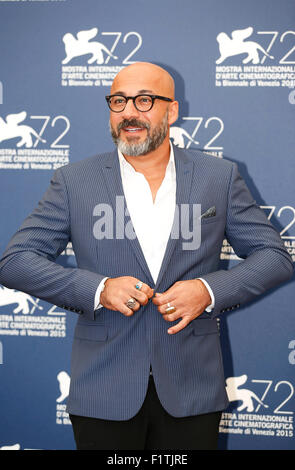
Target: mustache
(132, 123)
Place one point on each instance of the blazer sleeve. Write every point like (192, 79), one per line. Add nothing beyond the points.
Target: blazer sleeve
(28, 263)
(265, 263)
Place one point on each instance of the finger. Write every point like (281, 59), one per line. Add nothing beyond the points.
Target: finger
(150, 293)
(137, 307)
(168, 306)
(178, 327)
(146, 290)
(172, 316)
(162, 299)
(128, 312)
(141, 297)
(171, 306)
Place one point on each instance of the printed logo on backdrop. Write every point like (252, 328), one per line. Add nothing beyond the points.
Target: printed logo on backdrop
(291, 356)
(15, 447)
(33, 142)
(23, 315)
(93, 56)
(11, 447)
(264, 407)
(286, 217)
(255, 58)
(62, 417)
(291, 96)
(201, 133)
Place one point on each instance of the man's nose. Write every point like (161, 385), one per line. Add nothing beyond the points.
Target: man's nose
(130, 110)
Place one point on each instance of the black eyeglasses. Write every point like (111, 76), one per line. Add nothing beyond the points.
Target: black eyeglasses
(143, 103)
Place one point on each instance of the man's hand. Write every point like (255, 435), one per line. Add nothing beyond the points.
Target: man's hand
(119, 290)
(190, 298)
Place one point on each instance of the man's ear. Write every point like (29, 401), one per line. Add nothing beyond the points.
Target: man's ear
(173, 112)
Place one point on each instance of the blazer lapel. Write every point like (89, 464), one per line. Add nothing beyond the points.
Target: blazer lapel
(184, 172)
(113, 181)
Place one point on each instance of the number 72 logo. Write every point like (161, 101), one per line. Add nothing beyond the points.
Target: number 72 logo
(279, 213)
(180, 136)
(62, 119)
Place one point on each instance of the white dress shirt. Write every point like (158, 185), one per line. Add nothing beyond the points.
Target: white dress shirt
(152, 220)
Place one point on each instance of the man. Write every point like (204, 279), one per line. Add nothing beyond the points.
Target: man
(146, 362)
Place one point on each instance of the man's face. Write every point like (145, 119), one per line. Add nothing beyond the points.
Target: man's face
(130, 139)
(135, 132)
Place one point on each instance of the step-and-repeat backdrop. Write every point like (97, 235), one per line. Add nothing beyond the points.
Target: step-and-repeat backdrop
(234, 68)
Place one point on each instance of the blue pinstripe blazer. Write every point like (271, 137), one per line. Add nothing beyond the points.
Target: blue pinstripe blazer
(112, 353)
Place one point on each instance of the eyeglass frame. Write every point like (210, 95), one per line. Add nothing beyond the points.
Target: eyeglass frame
(133, 98)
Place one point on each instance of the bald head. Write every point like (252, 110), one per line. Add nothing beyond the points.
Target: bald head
(144, 77)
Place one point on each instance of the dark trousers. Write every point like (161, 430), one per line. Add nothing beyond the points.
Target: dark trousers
(151, 428)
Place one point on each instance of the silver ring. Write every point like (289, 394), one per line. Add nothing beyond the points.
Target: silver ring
(138, 286)
(131, 303)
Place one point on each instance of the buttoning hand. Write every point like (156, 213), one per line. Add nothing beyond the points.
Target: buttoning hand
(118, 290)
(189, 299)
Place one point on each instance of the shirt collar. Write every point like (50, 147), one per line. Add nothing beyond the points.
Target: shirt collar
(126, 167)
